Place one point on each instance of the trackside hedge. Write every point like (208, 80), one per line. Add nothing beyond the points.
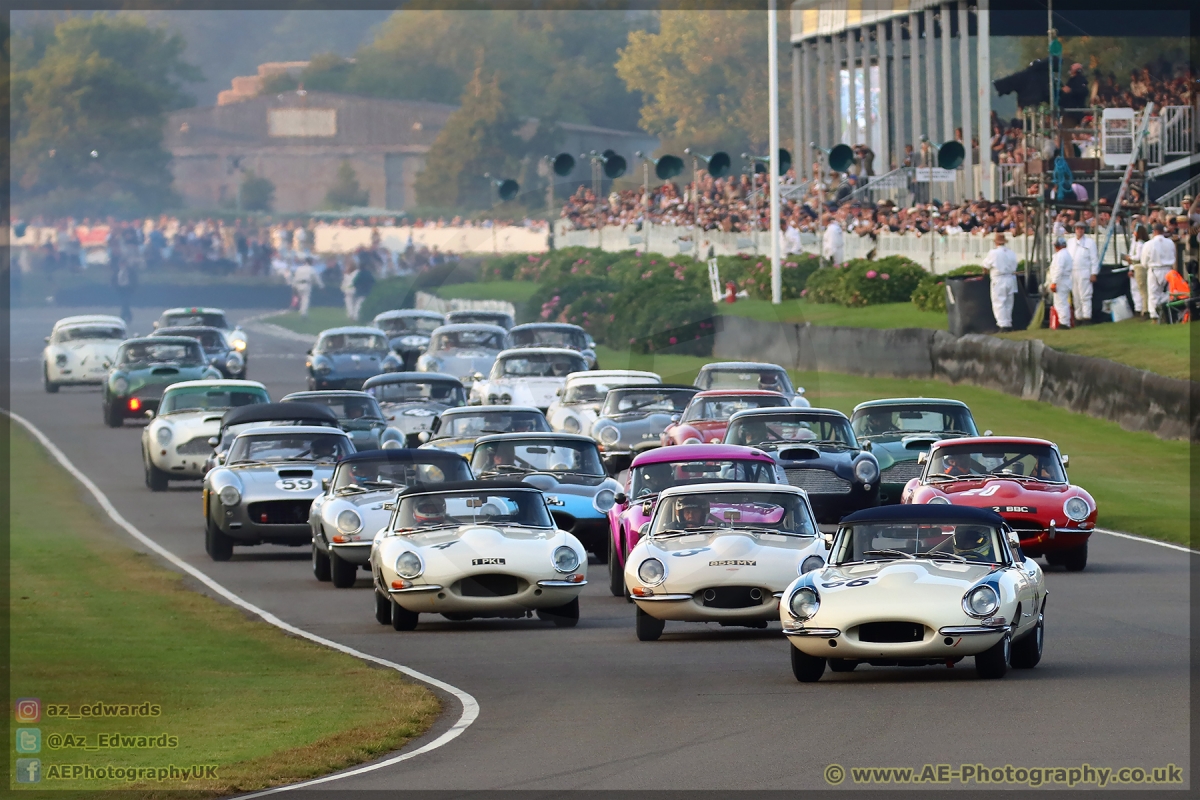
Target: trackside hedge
(865, 283)
(930, 294)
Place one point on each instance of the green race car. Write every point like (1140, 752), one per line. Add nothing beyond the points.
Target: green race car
(144, 368)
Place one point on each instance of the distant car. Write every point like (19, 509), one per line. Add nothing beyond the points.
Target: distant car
(175, 445)
(898, 430)
(566, 467)
(463, 351)
(556, 334)
(818, 453)
(80, 350)
(707, 414)
(263, 490)
(261, 415)
(527, 376)
(632, 420)
(207, 318)
(359, 500)
(343, 358)
(411, 401)
(918, 586)
(473, 317)
(456, 429)
(1024, 481)
(218, 349)
(578, 404)
(750, 375)
(358, 415)
(721, 552)
(475, 549)
(144, 368)
(664, 467)
(408, 332)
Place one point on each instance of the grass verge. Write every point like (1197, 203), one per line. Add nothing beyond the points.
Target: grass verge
(318, 319)
(516, 292)
(93, 620)
(885, 315)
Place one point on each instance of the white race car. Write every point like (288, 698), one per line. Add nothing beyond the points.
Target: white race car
(79, 350)
(476, 549)
(578, 404)
(527, 376)
(721, 552)
(916, 585)
(175, 445)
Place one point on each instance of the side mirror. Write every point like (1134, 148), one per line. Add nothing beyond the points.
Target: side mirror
(868, 445)
(558, 392)
(922, 458)
(647, 507)
(155, 325)
(675, 418)
(423, 437)
(644, 531)
(620, 498)
(478, 376)
(325, 485)
(1066, 459)
(213, 441)
(987, 433)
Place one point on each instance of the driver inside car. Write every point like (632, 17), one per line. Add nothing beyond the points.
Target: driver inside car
(691, 512)
(429, 511)
(356, 410)
(878, 423)
(954, 464)
(324, 449)
(752, 432)
(973, 542)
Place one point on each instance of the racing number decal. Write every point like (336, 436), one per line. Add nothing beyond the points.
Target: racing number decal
(849, 584)
(295, 484)
(985, 492)
(686, 553)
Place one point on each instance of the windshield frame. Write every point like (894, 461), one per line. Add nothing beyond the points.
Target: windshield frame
(786, 388)
(938, 455)
(659, 525)
(615, 395)
(63, 335)
(945, 409)
(638, 474)
(340, 436)
(193, 345)
(348, 338)
(508, 447)
(840, 548)
(450, 422)
(795, 417)
(531, 496)
(165, 409)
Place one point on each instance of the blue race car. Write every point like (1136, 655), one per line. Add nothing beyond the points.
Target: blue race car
(343, 358)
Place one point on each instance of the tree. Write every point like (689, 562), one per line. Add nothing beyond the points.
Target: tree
(88, 108)
(345, 191)
(258, 193)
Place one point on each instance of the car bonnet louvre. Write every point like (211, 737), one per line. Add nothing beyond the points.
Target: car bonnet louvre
(295, 473)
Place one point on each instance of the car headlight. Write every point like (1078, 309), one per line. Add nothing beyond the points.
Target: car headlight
(321, 365)
(349, 522)
(609, 434)
(866, 471)
(230, 496)
(61, 359)
(238, 344)
(120, 386)
(938, 500)
(652, 572)
(163, 435)
(565, 559)
(393, 444)
(408, 565)
(571, 425)
(982, 601)
(811, 563)
(604, 500)
(804, 602)
(1076, 509)
(692, 440)
(234, 362)
(419, 412)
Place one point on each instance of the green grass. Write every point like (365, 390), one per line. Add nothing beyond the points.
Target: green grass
(516, 292)
(886, 315)
(1140, 482)
(318, 319)
(1163, 349)
(92, 620)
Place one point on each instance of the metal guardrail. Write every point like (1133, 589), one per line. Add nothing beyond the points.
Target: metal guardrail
(1174, 198)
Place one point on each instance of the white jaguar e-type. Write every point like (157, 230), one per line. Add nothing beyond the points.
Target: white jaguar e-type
(721, 552)
(578, 402)
(528, 376)
(79, 350)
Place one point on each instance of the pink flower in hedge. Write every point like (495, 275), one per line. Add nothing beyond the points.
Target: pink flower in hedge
(647, 275)
(790, 264)
(885, 276)
(758, 265)
(652, 263)
(803, 292)
(631, 341)
(871, 273)
(574, 270)
(672, 264)
(673, 340)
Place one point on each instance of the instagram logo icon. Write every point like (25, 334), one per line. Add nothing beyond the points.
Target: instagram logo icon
(29, 709)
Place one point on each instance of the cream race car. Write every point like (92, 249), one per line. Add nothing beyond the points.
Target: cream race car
(917, 585)
(578, 403)
(79, 350)
(528, 376)
(475, 549)
(721, 552)
(175, 445)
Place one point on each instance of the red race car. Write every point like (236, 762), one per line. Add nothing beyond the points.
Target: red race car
(1023, 480)
(707, 414)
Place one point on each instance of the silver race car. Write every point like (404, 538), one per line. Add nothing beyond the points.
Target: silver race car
(408, 331)
(457, 428)
(632, 420)
(578, 404)
(411, 401)
(463, 351)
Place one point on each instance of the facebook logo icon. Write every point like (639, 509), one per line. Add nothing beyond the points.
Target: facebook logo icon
(29, 770)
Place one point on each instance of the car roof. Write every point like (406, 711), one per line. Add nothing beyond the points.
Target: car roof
(269, 412)
(738, 393)
(407, 377)
(937, 513)
(455, 327)
(397, 313)
(553, 325)
(735, 365)
(699, 452)
(460, 410)
(89, 319)
(218, 382)
(676, 387)
(910, 401)
(273, 430)
(467, 486)
(993, 440)
(783, 488)
(323, 393)
(350, 329)
(405, 455)
(597, 374)
(161, 339)
(491, 312)
(764, 412)
(540, 435)
(184, 330)
(192, 310)
(539, 351)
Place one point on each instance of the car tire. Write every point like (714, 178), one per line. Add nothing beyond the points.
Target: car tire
(648, 628)
(218, 546)
(112, 416)
(156, 479)
(50, 386)
(564, 616)
(806, 668)
(1073, 560)
(383, 608)
(320, 564)
(840, 664)
(402, 618)
(992, 663)
(1027, 651)
(342, 572)
(616, 575)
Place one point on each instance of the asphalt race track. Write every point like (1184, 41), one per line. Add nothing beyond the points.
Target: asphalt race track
(705, 707)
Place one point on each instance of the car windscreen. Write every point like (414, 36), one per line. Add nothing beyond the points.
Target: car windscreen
(210, 398)
(549, 337)
(88, 332)
(515, 457)
(351, 343)
(480, 317)
(653, 478)
(346, 407)
(230, 433)
(1005, 460)
(447, 393)
(479, 507)
(646, 401)
(771, 379)
(590, 390)
(485, 422)
(467, 340)
(718, 408)
(900, 420)
(897, 540)
(136, 354)
(382, 473)
(212, 341)
(201, 319)
(776, 512)
(789, 428)
(283, 446)
(399, 326)
(539, 365)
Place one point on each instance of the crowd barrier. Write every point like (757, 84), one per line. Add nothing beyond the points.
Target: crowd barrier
(428, 302)
(507, 239)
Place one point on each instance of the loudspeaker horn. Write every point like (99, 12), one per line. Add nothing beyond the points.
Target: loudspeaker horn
(761, 162)
(665, 167)
(951, 155)
(614, 164)
(506, 188)
(717, 164)
(563, 164)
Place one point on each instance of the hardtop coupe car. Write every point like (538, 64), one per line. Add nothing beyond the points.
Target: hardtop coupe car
(358, 502)
(1024, 481)
(411, 401)
(818, 452)
(217, 347)
(566, 467)
(898, 430)
(475, 549)
(408, 330)
(358, 414)
(456, 429)
(264, 489)
(343, 358)
(721, 552)
(144, 368)
(175, 445)
(917, 586)
(632, 420)
(208, 318)
(463, 351)
(526, 376)
(750, 375)
(260, 415)
(578, 403)
(555, 334)
(707, 414)
(80, 350)
(475, 316)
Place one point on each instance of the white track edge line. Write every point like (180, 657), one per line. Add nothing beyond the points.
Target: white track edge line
(470, 706)
(1131, 537)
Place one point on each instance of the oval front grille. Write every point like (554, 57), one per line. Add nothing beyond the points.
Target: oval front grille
(817, 481)
(891, 632)
(490, 585)
(902, 472)
(198, 446)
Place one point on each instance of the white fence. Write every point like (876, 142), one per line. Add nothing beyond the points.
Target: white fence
(511, 239)
(428, 302)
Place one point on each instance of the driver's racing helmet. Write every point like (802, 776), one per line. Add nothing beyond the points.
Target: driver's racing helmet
(429, 510)
(324, 447)
(973, 541)
(691, 511)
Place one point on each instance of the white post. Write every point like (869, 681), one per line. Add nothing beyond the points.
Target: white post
(797, 100)
(852, 87)
(866, 68)
(803, 154)
(931, 103)
(773, 164)
(984, 76)
(964, 74)
(947, 75)
(822, 95)
(837, 51)
(914, 70)
(885, 143)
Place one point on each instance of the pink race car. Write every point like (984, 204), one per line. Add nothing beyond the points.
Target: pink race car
(676, 465)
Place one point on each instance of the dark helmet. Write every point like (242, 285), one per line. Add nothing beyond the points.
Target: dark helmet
(972, 539)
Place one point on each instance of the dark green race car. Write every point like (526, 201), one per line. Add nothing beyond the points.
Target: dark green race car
(144, 368)
(898, 430)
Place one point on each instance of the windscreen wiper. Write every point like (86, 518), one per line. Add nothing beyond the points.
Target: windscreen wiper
(888, 553)
(938, 554)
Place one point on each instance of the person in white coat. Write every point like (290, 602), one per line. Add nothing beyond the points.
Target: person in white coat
(833, 247)
(349, 269)
(1001, 264)
(303, 280)
(1061, 274)
(1137, 272)
(1158, 256)
(1087, 266)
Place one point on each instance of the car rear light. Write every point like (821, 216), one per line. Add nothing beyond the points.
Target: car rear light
(134, 404)
(262, 517)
